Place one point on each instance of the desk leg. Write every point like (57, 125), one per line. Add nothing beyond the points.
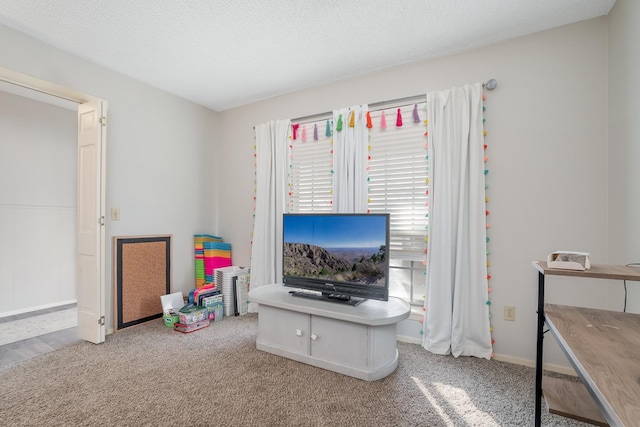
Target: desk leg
(540, 335)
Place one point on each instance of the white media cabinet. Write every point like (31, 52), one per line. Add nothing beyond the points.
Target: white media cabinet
(357, 341)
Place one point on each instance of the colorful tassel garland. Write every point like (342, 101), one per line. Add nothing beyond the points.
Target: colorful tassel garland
(304, 134)
(295, 131)
(383, 120)
(315, 132)
(352, 120)
(339, 125)
(369, 123)
(327, 132)
(399, 118)
(416, 115)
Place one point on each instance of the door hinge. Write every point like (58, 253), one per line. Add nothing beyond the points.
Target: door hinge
(101, 220)
(103, 121)
(101, 321)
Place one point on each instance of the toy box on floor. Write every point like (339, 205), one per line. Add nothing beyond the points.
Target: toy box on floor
(185, 329)
(183, 318)
(204, 305)
(192, 318)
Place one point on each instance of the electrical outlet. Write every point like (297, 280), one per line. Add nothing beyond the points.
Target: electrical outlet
(115, 214)
(510, 312)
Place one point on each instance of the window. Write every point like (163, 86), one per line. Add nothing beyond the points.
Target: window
(398, 173)
(310, 173)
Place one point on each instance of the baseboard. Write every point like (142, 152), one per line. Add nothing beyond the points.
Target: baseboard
(40, 307)
(532, 364)
(509, 359)
(409, 340)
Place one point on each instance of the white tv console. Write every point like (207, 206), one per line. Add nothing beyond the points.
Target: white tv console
(357, 341)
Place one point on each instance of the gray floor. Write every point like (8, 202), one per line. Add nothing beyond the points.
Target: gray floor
(32, 347)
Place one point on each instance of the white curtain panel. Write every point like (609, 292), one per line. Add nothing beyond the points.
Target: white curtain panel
(272, 165)
(350, 151)
(456, 319)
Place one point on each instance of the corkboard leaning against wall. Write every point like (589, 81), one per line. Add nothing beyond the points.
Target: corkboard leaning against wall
(142, 273)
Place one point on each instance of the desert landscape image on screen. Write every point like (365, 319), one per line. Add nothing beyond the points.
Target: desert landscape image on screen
(350, 251)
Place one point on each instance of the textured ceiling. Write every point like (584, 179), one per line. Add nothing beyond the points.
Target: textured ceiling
(227, 53)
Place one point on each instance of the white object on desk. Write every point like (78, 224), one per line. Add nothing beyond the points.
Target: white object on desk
(568, 260)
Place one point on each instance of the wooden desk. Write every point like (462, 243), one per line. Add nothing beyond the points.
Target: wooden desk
(602, 346)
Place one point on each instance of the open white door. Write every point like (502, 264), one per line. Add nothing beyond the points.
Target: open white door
(90, 221)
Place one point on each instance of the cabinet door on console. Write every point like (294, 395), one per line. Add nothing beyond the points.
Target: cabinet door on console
(288, 330)
(340, 342)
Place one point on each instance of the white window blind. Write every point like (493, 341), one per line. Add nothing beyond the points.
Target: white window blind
(398, 173)
(310, 172)
(397, 185)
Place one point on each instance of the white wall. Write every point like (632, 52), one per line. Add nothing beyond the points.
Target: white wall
(624, 141)
(37, 204)
(547, 134)
(161, 156)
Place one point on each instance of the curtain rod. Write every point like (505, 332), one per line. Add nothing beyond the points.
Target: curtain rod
(489, 85)
(372, 107)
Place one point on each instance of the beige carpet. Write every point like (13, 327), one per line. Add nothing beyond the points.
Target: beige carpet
(149, 375)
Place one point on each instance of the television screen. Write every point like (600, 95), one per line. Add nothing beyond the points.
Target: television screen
(339, 257)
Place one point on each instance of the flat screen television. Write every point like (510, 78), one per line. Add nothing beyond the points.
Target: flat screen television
(336, 257)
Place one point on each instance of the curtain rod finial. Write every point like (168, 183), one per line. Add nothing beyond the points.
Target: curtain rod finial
(491, 84)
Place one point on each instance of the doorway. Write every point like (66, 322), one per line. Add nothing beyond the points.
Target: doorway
(37, 215)
(90, 207)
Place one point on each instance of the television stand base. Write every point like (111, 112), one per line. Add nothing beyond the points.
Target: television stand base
(357, 341)
(335, 298)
